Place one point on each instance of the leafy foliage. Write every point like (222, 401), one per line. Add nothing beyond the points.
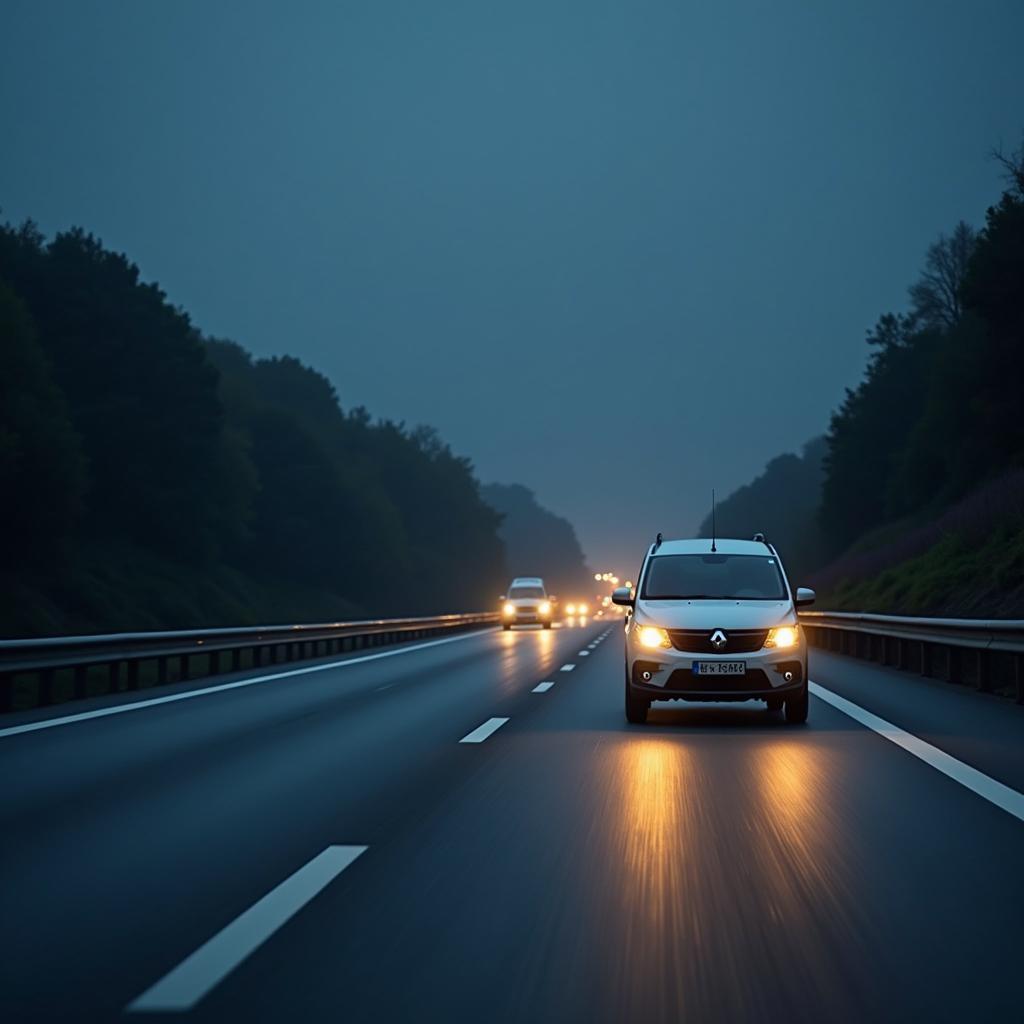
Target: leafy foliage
(781, 503)
(938, 412)
(138, 452)
(42, 472)
(935, 422)
(538, 542)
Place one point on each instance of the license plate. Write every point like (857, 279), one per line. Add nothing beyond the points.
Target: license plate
(719, 668)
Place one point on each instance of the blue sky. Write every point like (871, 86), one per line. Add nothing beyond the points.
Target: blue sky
(618, 252)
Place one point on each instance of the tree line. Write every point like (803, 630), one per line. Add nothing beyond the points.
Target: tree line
(936, 416)
(152, 476)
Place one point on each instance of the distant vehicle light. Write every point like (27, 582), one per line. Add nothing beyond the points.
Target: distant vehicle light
(582, 609)
(570, 609)
(544, 608)
(782, 637)
(509, 609)
(651, 636)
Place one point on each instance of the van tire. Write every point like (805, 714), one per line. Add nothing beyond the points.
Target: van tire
(797, 707)
(636, 707)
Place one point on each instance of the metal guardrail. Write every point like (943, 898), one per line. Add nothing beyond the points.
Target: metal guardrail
(34, 673)
(985, 653)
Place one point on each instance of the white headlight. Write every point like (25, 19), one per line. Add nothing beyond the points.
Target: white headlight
(782, 637)
(652, 636)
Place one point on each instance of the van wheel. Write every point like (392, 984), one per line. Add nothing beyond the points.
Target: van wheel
(796, 707)
(506, 625)
(775, 703)
(636, 707)
(547, 625)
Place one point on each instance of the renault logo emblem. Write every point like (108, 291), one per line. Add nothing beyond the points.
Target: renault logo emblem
(718, 639)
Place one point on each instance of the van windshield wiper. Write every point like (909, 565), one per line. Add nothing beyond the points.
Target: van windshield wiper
(684, 597)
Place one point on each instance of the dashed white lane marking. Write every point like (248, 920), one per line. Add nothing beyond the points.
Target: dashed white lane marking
(542, 687)
(481, 732)
(977, 782)
(567, 668)
(184, 986)
(584, 654)
(138, 705)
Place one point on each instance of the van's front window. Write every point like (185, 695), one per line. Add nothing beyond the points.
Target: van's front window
(718, 577)
(519, 592)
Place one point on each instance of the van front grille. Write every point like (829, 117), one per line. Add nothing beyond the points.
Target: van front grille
(737, 641)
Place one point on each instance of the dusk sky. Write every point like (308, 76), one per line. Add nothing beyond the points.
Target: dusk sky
(618, 252)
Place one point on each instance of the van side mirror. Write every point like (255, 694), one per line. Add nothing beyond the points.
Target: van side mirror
(805, 596)
(623, 596)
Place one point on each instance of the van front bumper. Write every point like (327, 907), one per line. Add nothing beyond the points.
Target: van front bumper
(668, 675)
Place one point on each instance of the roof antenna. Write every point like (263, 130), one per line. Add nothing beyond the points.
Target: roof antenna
(713, 531)
(657, 542)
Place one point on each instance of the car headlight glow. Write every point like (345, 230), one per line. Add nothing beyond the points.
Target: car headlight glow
(652, 636)
(570, 609)
(509, 609)
(582, 609)
(782, 637)
(545, 608)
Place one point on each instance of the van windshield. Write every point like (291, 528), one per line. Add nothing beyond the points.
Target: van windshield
(715, 577)
(519, 592)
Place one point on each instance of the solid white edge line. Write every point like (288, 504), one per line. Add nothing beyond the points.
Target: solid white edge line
(542, 687)
(82, 716)
(198, 973)
(977, 782)
(568, 667)
(481, 732)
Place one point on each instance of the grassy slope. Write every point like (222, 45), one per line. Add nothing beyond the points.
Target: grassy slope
(957, 577)
(968, 561)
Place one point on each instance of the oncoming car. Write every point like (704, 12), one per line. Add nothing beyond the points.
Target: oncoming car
(714, 621)
(527, 602)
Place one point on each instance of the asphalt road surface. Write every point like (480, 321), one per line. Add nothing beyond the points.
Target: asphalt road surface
(435, 833)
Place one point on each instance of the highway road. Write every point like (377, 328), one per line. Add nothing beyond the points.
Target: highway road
(466, 829)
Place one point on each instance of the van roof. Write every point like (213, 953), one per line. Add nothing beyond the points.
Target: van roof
(702, 545)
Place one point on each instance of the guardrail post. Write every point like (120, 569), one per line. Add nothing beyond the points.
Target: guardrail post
(925, 665)
(1018, 676)
(133, 674)
(46, 686)
(953, 673)
(113, 677)
(81, 672)
(983, 665)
